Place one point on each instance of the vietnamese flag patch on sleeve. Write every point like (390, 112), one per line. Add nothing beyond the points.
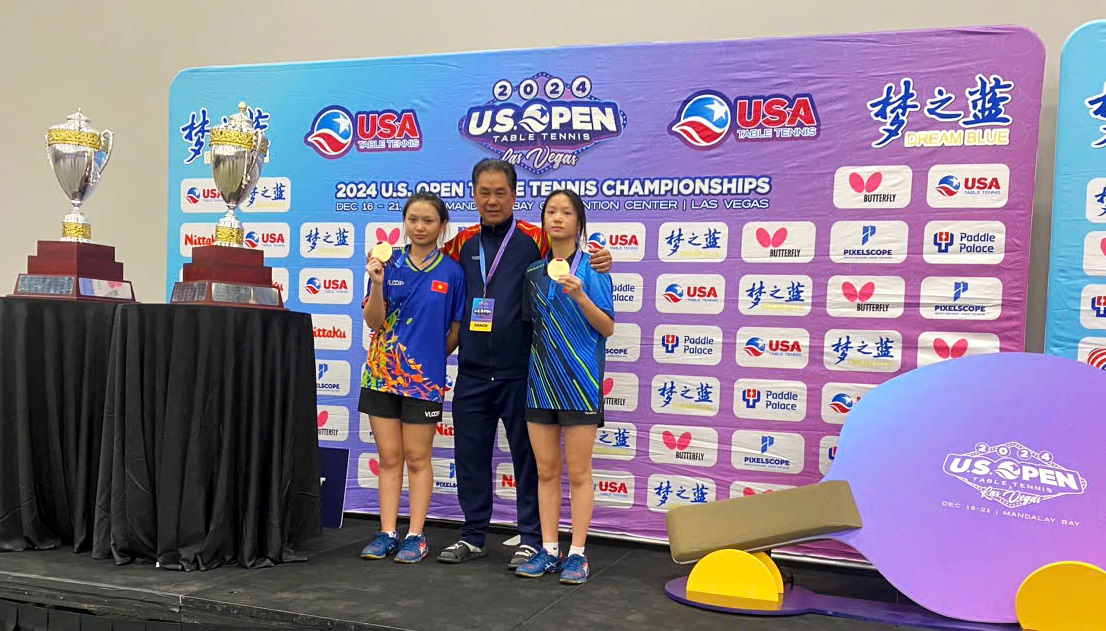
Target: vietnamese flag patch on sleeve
(439, 286)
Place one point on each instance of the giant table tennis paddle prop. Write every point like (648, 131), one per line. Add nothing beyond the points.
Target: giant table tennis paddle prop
(967, 475)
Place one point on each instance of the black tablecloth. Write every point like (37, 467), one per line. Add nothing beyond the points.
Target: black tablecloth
(53, 367)
(209, 448)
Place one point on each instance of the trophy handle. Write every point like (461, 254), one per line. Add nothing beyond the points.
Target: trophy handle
(107, 140)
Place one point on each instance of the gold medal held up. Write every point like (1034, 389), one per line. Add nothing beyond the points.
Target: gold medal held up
(558, 268)
(382, 252)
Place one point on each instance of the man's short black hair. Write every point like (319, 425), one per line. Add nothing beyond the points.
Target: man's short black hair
(491, 164)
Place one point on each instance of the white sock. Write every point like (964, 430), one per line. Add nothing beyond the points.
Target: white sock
(552, 548)
(471, 547)
(576, 550)
(412, 534)
(390, 533)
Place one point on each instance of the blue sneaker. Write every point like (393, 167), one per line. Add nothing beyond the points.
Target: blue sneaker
(539, 564)
(575, 570)
(381, 546)
(412, 550)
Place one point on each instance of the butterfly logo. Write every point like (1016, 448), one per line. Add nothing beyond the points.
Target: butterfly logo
(773, 240)
(674, 443)
(608, 385)
(860, 185)
(323, 417)
(852, 294)
(944, 351)
(391, 238)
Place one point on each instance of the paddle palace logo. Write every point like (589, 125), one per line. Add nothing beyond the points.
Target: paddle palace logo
(543, 122)
(1014, 475)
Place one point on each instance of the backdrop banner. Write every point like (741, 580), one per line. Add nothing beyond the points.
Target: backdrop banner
(793, 221)
(1076, 325)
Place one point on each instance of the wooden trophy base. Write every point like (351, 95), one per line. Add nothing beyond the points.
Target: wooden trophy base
(68, 270)
(227, 276)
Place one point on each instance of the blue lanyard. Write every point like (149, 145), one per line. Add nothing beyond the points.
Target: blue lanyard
(404, 253)
(487, 274)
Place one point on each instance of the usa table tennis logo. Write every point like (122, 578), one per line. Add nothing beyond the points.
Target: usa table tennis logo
(543, 122)
(616, 441)
(838, 399)
(625, 241)
(691, 293)
(1014, 475)
(827, 453)
(614, 489)
(968, 185)
(703, 120)
(326, 286)
(764, 347)
(272, 238)
(334, 131)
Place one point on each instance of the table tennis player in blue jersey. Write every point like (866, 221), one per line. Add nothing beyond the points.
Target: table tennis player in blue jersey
(415, 304)
(571, 309)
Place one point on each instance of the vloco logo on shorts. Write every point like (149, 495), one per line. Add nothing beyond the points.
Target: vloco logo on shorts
(1014, 475)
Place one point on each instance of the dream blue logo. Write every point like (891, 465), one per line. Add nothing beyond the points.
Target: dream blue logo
(674, 293)
(948, 186)
(751, 396)
(866, 232)
(703, 121)
(766, 443)
(943, 241)
(331, 134)
(959, 288)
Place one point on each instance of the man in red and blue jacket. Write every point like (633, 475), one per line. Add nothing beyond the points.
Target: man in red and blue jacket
(494, 360)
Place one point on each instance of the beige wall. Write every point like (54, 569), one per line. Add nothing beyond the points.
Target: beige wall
(116, 60)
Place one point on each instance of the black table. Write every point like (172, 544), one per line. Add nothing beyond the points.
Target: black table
(53, 367)
(209, 446)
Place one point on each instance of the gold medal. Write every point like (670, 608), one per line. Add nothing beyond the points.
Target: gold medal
(558, 268)
(382, 252)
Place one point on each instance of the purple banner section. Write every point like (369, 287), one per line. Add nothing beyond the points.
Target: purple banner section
(793, 221)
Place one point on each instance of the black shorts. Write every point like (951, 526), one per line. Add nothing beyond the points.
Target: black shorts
(406, 409)
(564, 418)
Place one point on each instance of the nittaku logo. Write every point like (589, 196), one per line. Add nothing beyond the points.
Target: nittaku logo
(543, 123)
(1014, 475)
(330, 333)
(334, 131)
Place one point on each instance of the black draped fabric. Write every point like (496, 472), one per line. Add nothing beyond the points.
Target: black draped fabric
(209, 448)
(53, 368)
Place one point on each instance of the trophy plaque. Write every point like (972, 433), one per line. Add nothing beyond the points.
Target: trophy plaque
(227, 273)
(74, 268)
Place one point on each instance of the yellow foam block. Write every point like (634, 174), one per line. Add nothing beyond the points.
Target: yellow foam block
(773, 569)
(733, 578)
(1064, 596)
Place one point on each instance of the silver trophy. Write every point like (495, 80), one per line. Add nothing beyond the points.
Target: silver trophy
(237, 153)
(78, 155)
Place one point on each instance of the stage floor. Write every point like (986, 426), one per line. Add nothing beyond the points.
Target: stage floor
(335, 589)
